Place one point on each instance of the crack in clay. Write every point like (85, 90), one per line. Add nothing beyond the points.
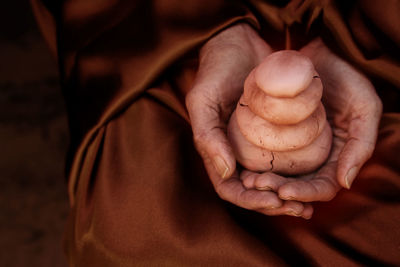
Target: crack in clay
(243, 105)
(272, 161)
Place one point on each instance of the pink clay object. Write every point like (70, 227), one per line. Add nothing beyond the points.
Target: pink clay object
(280, 123)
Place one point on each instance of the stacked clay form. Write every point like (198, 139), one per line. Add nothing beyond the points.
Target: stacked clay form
(280, 123)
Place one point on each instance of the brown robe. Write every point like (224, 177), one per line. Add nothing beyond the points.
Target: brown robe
(138, 191)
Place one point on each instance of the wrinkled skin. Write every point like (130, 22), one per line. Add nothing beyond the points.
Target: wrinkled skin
(353, 110)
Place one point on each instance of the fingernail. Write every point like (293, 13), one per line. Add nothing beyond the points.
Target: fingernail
(350, 176)
(264, 188)
(221, 166)
(292, 213)
(275, 206)
(286, 197)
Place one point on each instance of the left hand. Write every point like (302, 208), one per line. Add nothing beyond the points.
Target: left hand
(353, 111)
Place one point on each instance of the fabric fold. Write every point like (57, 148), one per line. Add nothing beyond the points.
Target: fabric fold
(138, 190)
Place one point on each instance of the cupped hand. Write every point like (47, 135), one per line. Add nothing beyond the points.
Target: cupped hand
(353, 111)
(224, 63)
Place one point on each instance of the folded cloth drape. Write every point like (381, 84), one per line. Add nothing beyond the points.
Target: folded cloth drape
(138, 191)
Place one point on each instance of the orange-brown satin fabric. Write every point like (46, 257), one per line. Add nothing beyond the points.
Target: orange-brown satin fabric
(139, 193)
(147, 201)
(367, 33)
(111, 51)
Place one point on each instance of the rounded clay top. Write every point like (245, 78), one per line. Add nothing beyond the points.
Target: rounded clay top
(284, 73)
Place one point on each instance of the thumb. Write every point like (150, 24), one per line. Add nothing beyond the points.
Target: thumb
(360, 144)
(209, 133)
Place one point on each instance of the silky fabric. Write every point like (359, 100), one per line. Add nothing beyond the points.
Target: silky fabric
(138, 190)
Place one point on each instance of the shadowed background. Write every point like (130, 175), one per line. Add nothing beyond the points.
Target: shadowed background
(33, 143)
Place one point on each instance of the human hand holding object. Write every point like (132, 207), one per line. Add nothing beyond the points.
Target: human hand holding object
(224, 63)
(279, 124)
(353, 111)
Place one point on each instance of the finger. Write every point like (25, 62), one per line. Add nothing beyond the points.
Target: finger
(308, 211)
(233, 191)
(268, 181)
(322, 187)
(248, 177)
(363, 132)
(272, 182)
(291, 208)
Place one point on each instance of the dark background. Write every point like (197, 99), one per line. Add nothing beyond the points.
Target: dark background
(33, 143)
